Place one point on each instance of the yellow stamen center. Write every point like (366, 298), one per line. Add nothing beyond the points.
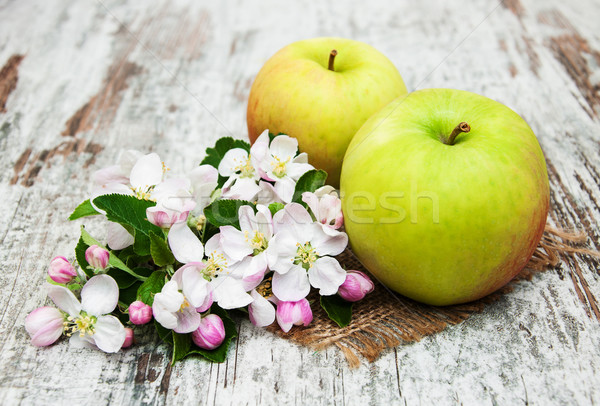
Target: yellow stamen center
(258, 242)
(143, 193)
(306, 255)
(245, 168)
(215, 264)
(83, 324)
(279, 167)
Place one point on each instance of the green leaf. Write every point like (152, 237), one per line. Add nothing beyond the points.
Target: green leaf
(208, 231)
(113, 260)
(181, 346)
(141, 271)
(275, 207)
(219, 354)
(123, 279)
(129, 295)
(151, 286)
(215, 154)
(161, 254)
(80, 256)
(164, 333)
(128, 211)
(83, 210)
(309, 182)
(225, 212)
(337, 309)
(141, 243)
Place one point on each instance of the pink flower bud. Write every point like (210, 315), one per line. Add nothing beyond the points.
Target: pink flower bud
(356, 286)
(61, 270)
(44, 325)
(128, 338)
(97, 257)
(211, 332)
(140, 312)
(293, 313)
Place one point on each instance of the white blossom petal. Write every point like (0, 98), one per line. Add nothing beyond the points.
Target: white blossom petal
(117, 236)
(100, 295)
(253, 270)
(261, 311)
(229, 293)
(243, 189)
(267, 194)
(64, 299)
(326, 275)
(76, 341)
(247, 218)
(260, 149)
(232, 161)
(291, 286)
(295, 170)
(179, 187)
(284, 147)
(195, 286)
(282, 251)
(110, 174)
(284, 187)
(328, 241)
(188, 320)
(186, 247)
(147, 171)
(204, 179)
(234, 243)
(109, 334)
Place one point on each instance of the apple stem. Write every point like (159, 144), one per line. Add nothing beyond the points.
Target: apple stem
(332, 59)
(461, 128)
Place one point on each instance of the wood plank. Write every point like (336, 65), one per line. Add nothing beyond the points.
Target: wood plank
(173, 77)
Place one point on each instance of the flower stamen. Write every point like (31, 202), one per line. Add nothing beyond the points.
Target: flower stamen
(279, 167)
(306, 255)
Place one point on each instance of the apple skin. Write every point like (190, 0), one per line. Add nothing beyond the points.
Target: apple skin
(296, 94)
(490, 187)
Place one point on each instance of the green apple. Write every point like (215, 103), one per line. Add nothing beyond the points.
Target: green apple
(321, 91)
(445, 195)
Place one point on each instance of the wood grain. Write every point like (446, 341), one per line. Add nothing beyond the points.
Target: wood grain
(101, 76)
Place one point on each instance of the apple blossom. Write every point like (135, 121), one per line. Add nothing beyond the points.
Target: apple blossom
(281, 164)
(88, 323)
(356, 286)
(210, 333)
(45, 325)
(128, 338)
(327, 209)
(175, 306)
(252, 239)
(224, 273)
(299, 255)
(293, 313)
(61, 270)
(140, 312)
(145, 174)
(242, 176)
(97, 257)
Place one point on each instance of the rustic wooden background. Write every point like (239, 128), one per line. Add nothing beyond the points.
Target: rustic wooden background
(82, 80)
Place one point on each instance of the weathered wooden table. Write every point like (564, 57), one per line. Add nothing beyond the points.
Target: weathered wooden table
(83, 80)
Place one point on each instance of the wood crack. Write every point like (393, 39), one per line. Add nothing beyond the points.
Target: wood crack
(9, 76)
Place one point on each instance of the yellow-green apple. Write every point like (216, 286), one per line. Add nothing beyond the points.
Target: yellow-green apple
(321, 91)
(445, 195)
